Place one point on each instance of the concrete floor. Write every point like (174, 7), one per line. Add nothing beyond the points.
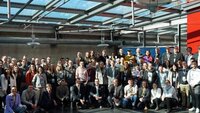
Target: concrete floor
(118, 110)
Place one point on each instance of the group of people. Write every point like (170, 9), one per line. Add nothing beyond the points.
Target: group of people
(135, 81)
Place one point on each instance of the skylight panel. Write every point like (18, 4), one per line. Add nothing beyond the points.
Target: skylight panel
(98, 18)
(80, 4)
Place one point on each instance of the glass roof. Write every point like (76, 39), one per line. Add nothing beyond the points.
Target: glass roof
(18, 1)
(98, 18)
(28, 12)
(3, 10)
(80, 4)
(40, 2)
(120, 10)
(58, 15)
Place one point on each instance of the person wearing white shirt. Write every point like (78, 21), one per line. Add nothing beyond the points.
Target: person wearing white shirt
(193, 79)
(130, 93)
(169, 97)
(155, 96)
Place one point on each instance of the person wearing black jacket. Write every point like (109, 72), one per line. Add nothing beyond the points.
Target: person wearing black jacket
(2, 71)
(150, 75)
(47, 101)
(115, 94)
(97, 94)
(77, 94)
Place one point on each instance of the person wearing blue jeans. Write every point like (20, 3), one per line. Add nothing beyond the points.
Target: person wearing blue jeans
(130, 94)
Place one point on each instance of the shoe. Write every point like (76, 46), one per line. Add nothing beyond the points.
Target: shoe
(112, 107)
(197, 110)
(157, 108)
(100, 107)
(191, 109)
(145, 108)
(151, 106)
(134, 108)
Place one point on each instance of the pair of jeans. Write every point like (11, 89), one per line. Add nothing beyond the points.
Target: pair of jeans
(132, 100)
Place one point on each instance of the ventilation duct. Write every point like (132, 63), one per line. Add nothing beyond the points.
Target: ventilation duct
(153, 4)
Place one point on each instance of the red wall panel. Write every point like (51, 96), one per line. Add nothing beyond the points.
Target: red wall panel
(193, 31)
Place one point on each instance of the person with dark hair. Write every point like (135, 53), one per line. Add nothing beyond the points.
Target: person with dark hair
(188, 56)
(13, 102)
(97, 94)
(166, 55)
(173, 75)
(147, 57)
(193, 79)
(130, 94)
(169, 97)
(2, 93)
(62, 93)
(163, 76)
(115, 94)
(183, 85)
(77, 94)
(144, 96)
(48, 101)
(176, 56)
(29, 98)
(30, 74)
(155, 97)
(150, 75)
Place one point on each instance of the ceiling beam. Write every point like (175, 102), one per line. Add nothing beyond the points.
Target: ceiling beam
(39, 12)
(172, 10)
(40, 7)
(97, 11)
(18, 12)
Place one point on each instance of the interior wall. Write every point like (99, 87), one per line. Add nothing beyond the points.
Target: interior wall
(55, 52)
(193, 30)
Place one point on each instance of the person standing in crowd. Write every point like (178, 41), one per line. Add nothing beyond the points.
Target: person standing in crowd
(112, 73)
(29, 98)
(13, 102)
(115, 94)
(60, 73)
(147, 57)
(156, 94)
(130, 94)
(126, 74)
(39, 81)
(183, 85)
(81, 73)
(138, 55)
(163, 76)
(70, 70)
(30, 74)
(193, 79)
(176, 56)
(197, 57)
(103, 57)
(78, 58)
(173, 75)
(150, 75)
(121, 54)
(97, 94)
(169, 97)
(144, 96)
(188, 56)
(157, 54)
(2, 93)
(129, 56)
